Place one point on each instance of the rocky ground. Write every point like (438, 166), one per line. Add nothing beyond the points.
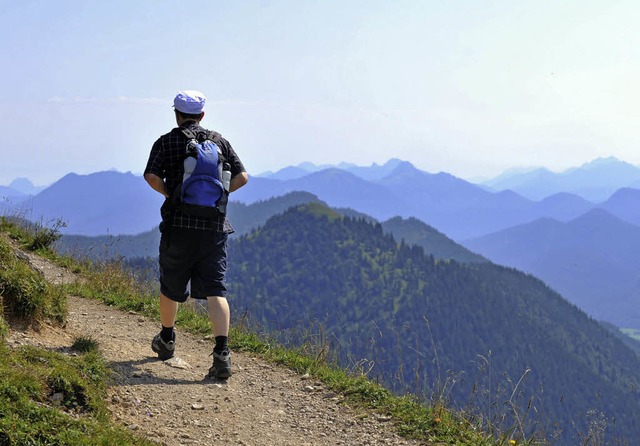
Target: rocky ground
(173, 403)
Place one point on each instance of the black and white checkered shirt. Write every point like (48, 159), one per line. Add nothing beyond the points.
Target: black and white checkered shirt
(166, 161)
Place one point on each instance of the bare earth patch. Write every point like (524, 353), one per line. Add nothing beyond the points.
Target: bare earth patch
(173, 404)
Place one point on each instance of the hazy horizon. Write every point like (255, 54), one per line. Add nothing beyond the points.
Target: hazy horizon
(469, 88)
(512, 170)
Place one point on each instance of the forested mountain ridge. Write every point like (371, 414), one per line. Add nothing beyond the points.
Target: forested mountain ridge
(415, 232)
(418, 319)
(244, 218)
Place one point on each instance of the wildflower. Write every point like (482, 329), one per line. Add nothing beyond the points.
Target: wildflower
(512, 442)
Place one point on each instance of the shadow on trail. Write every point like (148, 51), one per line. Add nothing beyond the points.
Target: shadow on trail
(132, 373)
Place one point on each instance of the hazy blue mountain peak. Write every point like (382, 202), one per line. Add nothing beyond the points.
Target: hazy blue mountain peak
(331, 174)
(346, 166)
(625, 193)
(607, 169)
(376, 172)
(25, 186)
(607, 161)
(565, 203)
(516, 176)
(403, 168)
(595, 215)
(393, 163)
(310, 167)
(94, 177)
(70, 175)
(508, 193)
(292, 172)
(286, 173)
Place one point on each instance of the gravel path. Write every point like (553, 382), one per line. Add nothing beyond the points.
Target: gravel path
(172, 403)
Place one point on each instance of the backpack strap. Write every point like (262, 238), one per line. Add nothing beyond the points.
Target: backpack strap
(188, 133)
(201, 136)
(216, 138)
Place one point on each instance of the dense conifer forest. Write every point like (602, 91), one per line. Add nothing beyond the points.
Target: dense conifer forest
(468, 332)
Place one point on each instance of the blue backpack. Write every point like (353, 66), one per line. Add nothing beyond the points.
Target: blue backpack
(201, 192)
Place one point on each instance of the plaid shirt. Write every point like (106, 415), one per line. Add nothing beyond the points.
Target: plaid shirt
(166, 161)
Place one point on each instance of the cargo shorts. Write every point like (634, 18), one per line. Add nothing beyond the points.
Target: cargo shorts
(192, 262)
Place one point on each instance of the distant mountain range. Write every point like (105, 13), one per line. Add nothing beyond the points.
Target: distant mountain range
(595, 181)
(396, 193)
(97, 204)
(593, 261)
(371, 173)
(122, 203)
(457, 208)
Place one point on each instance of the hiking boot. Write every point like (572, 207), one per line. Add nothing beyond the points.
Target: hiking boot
(165, 350)
(221, 368)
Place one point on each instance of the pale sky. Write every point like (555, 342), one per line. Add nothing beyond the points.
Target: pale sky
(468, 87)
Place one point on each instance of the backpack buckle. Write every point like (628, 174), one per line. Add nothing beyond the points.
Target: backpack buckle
(192, 147)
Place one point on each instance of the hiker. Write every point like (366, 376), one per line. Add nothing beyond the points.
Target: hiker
(193, 243)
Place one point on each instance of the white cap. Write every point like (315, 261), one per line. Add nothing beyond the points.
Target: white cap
(190, 102)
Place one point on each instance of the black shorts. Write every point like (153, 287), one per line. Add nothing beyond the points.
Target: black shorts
(196, 256)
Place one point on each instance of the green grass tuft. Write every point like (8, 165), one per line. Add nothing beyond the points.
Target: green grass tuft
(26, 294)
(85, 344)
(50, 398)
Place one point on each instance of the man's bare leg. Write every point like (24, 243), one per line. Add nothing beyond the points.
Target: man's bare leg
(219, 315)
(168, 311)
(164, 342)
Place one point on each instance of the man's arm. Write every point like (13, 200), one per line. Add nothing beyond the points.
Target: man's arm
(157, 183)
(238, 181)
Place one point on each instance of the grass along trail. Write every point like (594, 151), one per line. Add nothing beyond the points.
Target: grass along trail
(173, 403)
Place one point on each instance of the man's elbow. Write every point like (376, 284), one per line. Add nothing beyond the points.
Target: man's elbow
(239, 180)
(244, 179)
(150, 178)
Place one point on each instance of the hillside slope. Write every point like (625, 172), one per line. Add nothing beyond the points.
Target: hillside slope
(435, 243)
(170, 402)
(420, 322)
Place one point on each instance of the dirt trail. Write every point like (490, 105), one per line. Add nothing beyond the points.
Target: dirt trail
(261, 404)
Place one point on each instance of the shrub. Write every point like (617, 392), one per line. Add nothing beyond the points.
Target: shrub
(43, 237)
(25, 293)
(85, 344)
